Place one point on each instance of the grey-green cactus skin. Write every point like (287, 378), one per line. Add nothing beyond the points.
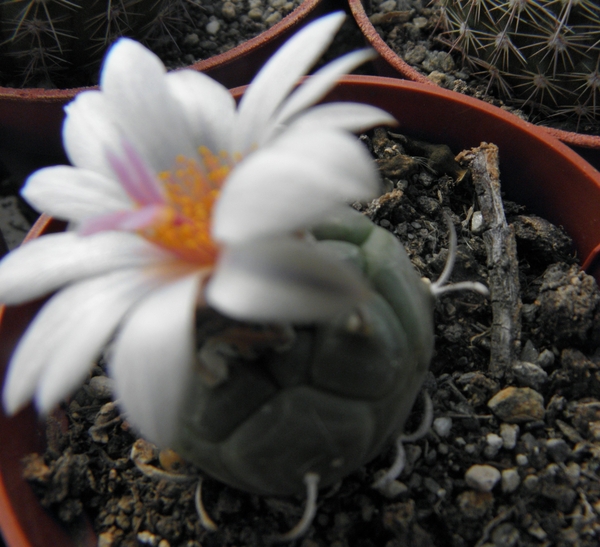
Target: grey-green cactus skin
(540, 52)
(329, 403)
(60, 43)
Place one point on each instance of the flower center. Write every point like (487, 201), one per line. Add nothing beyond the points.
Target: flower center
(190, 191)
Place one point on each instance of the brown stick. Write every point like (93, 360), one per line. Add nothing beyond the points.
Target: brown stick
(502, 259)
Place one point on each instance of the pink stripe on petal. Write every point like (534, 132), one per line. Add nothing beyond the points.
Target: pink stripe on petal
(147, 181)
(122, 220)
(134, 176)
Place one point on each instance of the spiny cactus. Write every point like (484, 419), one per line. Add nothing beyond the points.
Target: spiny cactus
(60, 43)
(544, 53)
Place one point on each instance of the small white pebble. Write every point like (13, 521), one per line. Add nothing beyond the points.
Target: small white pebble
(228, 11)
(494, 444)
(255, 14)
(530, 482)
(470, 448)
(442, 426)
(164, 543)
(509, 434)
(537, 532)
(387, 6)
(275, 17)
(147, 538)
(191, 39)
(482, 477)
(213, 27)
(522, 460)
(420, 22)
(552, 470)
(510, 480)
(392, 489)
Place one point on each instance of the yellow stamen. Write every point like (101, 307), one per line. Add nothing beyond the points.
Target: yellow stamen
(191, 189)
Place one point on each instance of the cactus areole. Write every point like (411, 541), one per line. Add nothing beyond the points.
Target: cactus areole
(328, 402)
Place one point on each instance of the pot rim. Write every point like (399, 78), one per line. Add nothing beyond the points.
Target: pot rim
(403, 70)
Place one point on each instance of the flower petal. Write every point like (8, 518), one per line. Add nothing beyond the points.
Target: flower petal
(356, 176)
(209, 108)
(135, 177)
(49, 262)
(58, 349)
(321, 82)
(73, 194)
(282, 279)
(88, 131)
(353, 117)
(289, 187)
(128, 221)
(134, 83)
(153, 356)
(278, 77)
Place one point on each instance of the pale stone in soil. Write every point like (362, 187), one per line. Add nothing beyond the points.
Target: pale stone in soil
(517, 404)
(482, 477)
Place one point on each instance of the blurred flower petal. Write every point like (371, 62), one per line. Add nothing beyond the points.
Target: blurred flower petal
(353, 117)
(277, 190)
(282, 280)
(73, 194)
(45, 264)
(89, 131)
(57, 351)
(209, 108)
(120, 220)
(153, 356)
(316, 87)
(133, 81)
(278, 77)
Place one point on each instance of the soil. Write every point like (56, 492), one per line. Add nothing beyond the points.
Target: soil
(513, 457)
(412, 29)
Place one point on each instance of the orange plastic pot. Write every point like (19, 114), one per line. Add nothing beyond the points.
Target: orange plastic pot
(537, 170)
(392, 65)
(31, 119)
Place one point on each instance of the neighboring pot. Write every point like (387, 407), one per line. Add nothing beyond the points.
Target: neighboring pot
(31, 119)
(392, 65)
(536, 170)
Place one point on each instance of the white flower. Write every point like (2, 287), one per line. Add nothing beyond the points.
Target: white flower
(178, 199)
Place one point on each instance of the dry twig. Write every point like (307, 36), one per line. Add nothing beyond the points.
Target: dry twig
(502, 260)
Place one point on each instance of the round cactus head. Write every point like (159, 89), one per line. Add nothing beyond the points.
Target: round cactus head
(60, 43)
(544, 53)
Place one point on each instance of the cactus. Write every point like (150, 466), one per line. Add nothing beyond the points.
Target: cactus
(60, 43)
(543, 53)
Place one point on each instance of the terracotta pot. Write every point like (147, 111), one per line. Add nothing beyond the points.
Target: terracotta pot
(392, 65)
(31, 119)
(537, 170)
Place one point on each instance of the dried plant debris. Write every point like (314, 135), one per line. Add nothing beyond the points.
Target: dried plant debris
(511, 459)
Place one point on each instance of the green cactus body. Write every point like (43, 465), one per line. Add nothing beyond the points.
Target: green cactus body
(60, 43)
(539, 52)
(328, 403)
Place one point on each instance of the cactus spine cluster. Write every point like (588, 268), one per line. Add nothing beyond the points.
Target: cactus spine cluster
(544, 53)
(60, 43)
